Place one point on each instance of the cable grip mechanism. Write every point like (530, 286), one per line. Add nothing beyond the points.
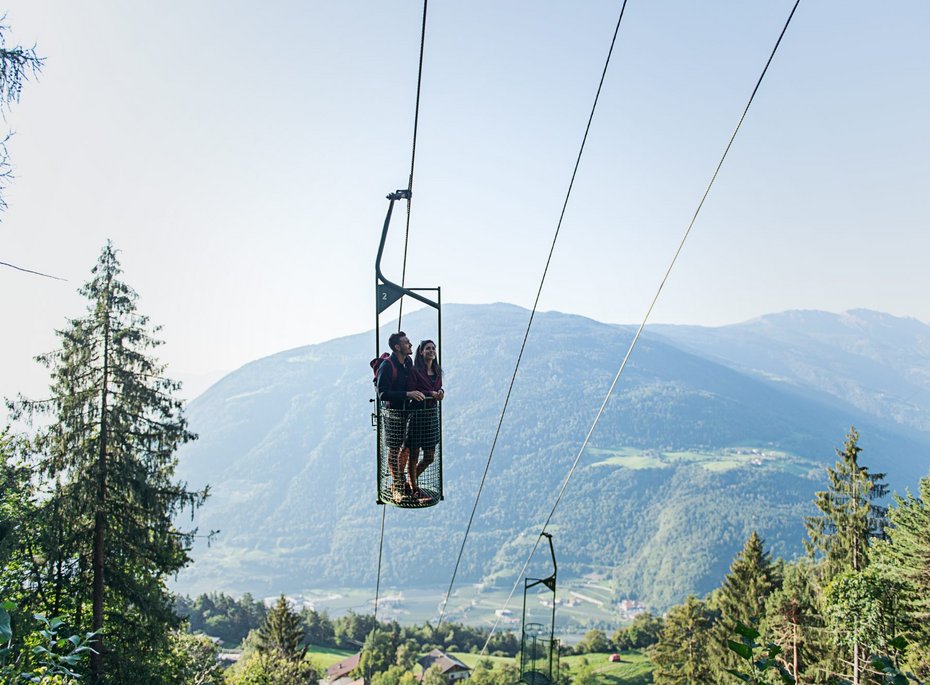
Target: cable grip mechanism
(402, 194)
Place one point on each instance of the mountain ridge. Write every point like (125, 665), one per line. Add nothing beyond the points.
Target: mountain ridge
(287, 443)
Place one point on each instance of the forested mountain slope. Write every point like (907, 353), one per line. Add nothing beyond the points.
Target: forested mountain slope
(694, 452)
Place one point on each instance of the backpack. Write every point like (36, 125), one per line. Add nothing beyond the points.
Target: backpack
(375, 364)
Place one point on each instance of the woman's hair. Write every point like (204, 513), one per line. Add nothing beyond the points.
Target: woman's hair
(420, 363)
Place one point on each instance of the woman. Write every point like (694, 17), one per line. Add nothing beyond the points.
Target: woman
(424, 424)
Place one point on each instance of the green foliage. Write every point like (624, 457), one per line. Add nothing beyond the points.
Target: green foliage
(482, 673)
(18, 515)
(379, 652)
(486, 671)
(352, 629)
(282, 633)
(905, 557)
(104, 540)
(793, 621)
(16, 65)
(861, 608)
(585, 674)
(319, 628)
(681, 655)
(741, 598)
(192, 660)
(225, 617)
(756, 660)
(849, 517)
(44, 655)
(643, 632)
(395, 675)
(433, 676)
(271, 669)
(406, 655)
(888, 667)
(593, 641)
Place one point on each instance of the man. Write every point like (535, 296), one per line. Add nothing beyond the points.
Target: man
(393, 375)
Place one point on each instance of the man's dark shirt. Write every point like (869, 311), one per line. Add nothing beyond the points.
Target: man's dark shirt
(391, 389)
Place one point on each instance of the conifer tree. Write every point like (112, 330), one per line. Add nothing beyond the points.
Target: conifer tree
(108, 452)
(681, 656)
(379, 653)
(16, 510)
(793, 622)
(906, 558)
(849, 520)
(849, 516)
(861, 608)
(282, 632)
(741, 599)
(16, 65)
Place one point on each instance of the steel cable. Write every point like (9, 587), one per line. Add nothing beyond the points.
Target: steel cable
(529, 324)
(413, 159)
(403, 277)
(642, 325)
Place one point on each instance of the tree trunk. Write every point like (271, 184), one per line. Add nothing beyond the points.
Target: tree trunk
(100, 521)
(855, 663)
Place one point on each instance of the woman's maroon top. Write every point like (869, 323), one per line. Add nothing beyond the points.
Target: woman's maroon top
(426, 384)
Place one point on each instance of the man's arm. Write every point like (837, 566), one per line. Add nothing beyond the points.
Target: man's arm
(386, 392)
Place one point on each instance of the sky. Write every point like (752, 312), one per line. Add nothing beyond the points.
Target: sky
(238, 154)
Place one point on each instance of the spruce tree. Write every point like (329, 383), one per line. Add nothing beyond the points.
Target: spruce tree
(849, 520)
(108, 453)
(906, 558)
(681, 655)
(862, 612)
(793, 622)
(849, 515)
(16, 65)
(741, 599)
(379, 653)
(282, 632)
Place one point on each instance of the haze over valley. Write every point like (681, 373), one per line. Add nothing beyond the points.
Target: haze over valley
(712, 433)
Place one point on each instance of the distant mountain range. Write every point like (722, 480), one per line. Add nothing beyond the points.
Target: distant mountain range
(712, 433)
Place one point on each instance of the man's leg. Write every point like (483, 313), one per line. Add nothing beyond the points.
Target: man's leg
(393, 462)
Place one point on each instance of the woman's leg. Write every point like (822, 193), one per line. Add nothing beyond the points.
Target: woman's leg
(428, 454)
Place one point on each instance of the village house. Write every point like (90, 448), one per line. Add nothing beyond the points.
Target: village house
(340, 674)
(451, 668)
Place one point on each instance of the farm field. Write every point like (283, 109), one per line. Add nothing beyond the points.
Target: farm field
(580, 602)
(634, 669)
(324, 657)
(723, 459)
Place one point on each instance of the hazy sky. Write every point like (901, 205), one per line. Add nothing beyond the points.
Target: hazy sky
(238, 153)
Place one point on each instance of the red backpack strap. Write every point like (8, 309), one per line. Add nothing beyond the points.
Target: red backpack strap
(378, 361)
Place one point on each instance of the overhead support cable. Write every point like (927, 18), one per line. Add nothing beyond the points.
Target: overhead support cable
(30, 271)
(413, 158)
(380, 550)
(529, 324)
(642, 325)
(403, 277)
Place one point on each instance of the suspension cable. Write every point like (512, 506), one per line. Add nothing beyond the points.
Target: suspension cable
(403, 277)
(413, 158)
(642, 325)
(30, 271)
(380, 550)
(529, 324)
